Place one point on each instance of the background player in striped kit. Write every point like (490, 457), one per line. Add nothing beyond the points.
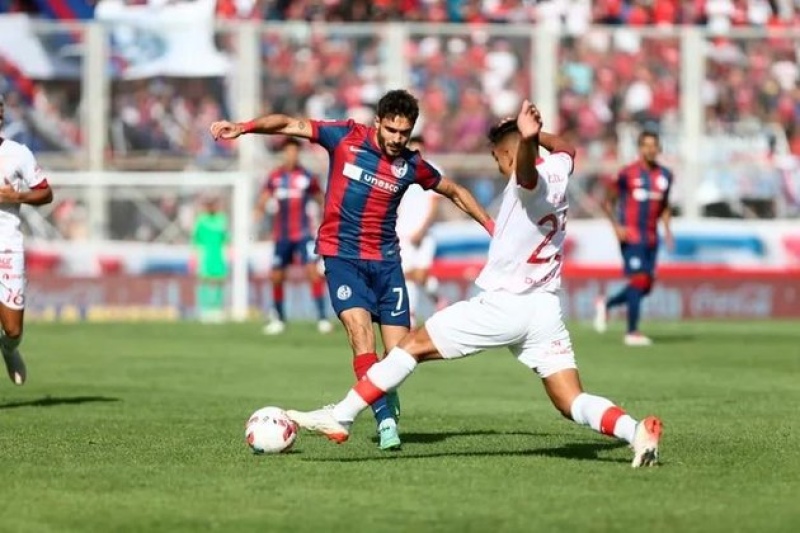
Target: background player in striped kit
(288, 193)
(635, 202)
(370, 170)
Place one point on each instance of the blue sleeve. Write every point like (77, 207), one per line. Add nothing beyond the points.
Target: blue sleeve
(328, 133)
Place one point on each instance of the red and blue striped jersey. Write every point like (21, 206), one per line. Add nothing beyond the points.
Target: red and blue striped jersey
(643, 194)
(293, 189)
(365, 187)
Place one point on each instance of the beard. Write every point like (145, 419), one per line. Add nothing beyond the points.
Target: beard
(386, 148)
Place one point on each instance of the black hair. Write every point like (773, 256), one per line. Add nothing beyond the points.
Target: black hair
(501, 129)
(398, 103)
(648, 134)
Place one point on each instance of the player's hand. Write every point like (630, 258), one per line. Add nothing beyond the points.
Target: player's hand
(621, 232)
(224, 129)
(529, 120)
(416, 239)
(8, 194)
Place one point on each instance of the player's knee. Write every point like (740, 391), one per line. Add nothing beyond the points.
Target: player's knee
(276, 275)
(643, 282)
(13, 331)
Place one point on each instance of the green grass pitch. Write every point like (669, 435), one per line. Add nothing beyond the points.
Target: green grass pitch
(140, 428)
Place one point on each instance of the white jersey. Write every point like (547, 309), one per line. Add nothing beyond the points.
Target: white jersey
(18, 169)
(525, 254)
(414, 210)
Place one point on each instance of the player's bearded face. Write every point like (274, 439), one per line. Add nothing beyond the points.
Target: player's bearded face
(393, 134)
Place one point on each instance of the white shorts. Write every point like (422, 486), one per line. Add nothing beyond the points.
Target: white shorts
(417, 257)
(530, 325)
(12, 280)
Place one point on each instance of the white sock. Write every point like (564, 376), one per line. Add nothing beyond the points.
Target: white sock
(595, 411)
(386, 375)
(393, 370)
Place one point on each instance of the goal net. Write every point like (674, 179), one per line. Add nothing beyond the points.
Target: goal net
(117, 245)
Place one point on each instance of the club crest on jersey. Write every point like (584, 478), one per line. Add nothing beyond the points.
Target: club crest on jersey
(399, 167)
(662, 182)
(344, 292)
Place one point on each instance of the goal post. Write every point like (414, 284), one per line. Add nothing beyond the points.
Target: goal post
(136, 217)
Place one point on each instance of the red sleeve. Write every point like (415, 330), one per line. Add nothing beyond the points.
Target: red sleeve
(269, 183)
(427, 176)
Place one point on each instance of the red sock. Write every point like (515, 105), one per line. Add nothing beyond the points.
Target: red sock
(368, 391)
(609, 420)
(362, 363)
(277, 292)
(317, 288)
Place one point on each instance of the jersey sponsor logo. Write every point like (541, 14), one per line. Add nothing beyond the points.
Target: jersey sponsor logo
(344, 292)
(643, 195)
(283, 193)
(357, 173)
(399, 167)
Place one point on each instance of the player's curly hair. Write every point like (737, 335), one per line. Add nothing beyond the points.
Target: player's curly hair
(398, 103)
(505, 127)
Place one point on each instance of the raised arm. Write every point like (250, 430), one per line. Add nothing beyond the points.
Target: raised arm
(466, 202)
(529, 123)
(275, 124)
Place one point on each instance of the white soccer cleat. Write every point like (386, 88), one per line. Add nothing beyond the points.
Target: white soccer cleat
(274, 327)
(324, 326)
(321, 421)
(645, 442)
(637, 339)
(600, 316)
(15, 366)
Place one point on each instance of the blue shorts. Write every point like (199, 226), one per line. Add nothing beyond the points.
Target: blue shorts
(639, 258)
(377, 286)
(286, 251)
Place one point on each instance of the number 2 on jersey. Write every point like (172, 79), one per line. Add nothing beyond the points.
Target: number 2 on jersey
(552, 222)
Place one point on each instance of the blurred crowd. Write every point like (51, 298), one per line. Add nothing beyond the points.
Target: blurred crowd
(465, 81)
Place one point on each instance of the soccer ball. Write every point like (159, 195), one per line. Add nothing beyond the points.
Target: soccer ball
(269, 430)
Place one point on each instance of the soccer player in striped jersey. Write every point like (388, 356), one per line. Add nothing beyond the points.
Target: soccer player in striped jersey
(634, 204)
(291, 188)
(370, 170)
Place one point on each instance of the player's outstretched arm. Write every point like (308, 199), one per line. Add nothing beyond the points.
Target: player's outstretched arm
(275, 124)
(466, 202)
(38, 196)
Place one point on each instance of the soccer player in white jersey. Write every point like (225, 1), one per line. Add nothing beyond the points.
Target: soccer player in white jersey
(23, 183)
(416, 214)
(518, 307)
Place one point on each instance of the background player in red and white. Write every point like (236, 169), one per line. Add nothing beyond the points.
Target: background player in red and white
(417, 212)
(289, 190)
(634, 204)
(518, 306)
(370, 169)
(23, 183)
